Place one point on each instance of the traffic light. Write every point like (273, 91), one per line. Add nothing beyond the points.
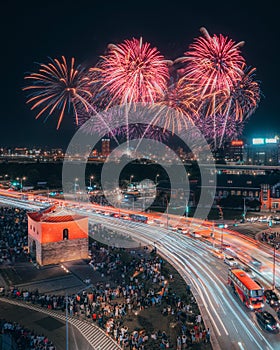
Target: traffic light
(222, 226)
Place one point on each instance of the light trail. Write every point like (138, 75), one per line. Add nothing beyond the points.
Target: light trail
(192, 259)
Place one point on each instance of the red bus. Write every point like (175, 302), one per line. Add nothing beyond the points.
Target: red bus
(249, 291)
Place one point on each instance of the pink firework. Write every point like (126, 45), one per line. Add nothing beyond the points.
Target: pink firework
(58, 86)
(213, 63)
(132, 71)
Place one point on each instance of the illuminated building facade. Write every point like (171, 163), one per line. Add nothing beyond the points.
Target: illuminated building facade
(263, 151)
(234, 151)
(56, 235)
(270, 197)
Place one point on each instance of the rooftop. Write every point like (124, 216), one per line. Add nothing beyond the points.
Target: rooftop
(55, 214)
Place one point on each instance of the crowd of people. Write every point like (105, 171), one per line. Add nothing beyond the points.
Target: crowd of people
(13, 234)
(137, 280)
(270, 237)
(141, 285)
(99, 199)
(23, 338)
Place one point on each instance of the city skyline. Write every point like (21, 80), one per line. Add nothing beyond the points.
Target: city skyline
(89, 39)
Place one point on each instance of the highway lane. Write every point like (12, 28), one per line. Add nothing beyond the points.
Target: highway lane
(232, 325)
(249, 250)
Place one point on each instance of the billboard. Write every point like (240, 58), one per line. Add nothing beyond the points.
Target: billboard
(271, 140)
(237, 143)
(258, 141)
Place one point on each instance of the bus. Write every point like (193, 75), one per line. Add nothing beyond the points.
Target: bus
(249, 292)
(138, 218)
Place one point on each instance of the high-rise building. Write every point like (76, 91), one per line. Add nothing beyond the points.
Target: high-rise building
(105, 147)
(234, 151)
(263, 151)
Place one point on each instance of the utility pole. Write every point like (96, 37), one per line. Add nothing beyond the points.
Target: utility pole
(66, 315)
(167, 212)
(276, 246)
(274, 261)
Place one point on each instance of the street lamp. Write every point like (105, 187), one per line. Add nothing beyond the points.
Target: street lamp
(131, 177)
(157, 175)
(244, 207)
(75, 185)
(21, 180)
(167, 203)
(276, 246)
(90, 179)
(119, 202)
(222, 226)
(75, 189)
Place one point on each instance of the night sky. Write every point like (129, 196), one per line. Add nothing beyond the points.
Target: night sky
(33, 31)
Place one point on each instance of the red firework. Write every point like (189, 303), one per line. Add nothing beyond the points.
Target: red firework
(213, 63)
(132, 72)
(58, 86)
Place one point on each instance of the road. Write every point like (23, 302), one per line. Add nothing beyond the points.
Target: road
(232, 325)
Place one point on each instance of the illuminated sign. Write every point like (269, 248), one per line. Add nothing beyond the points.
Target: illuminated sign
(237, 143)
(258, 141)
(272, 140)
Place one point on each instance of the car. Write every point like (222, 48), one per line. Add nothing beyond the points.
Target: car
(217, 253)
(267, 321)
(195, 235)
(229, 260)
(230, 252)
(272, 298)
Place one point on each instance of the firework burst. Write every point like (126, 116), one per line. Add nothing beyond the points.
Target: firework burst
(213, 63)
(219, 130)
(245, 95)
(177, 109)
(132, 72)
(58, 86)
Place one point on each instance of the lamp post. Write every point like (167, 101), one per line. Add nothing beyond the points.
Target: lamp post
(244, 208)
(157, 175)
(119, 198)
(130, 179)
(75, 188)
(274, 260)
(75, 185)
(21, 181)
(276, 246)
(166, 211)
(90, 179)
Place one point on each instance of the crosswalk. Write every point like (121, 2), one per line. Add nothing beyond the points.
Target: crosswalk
(94, 335)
